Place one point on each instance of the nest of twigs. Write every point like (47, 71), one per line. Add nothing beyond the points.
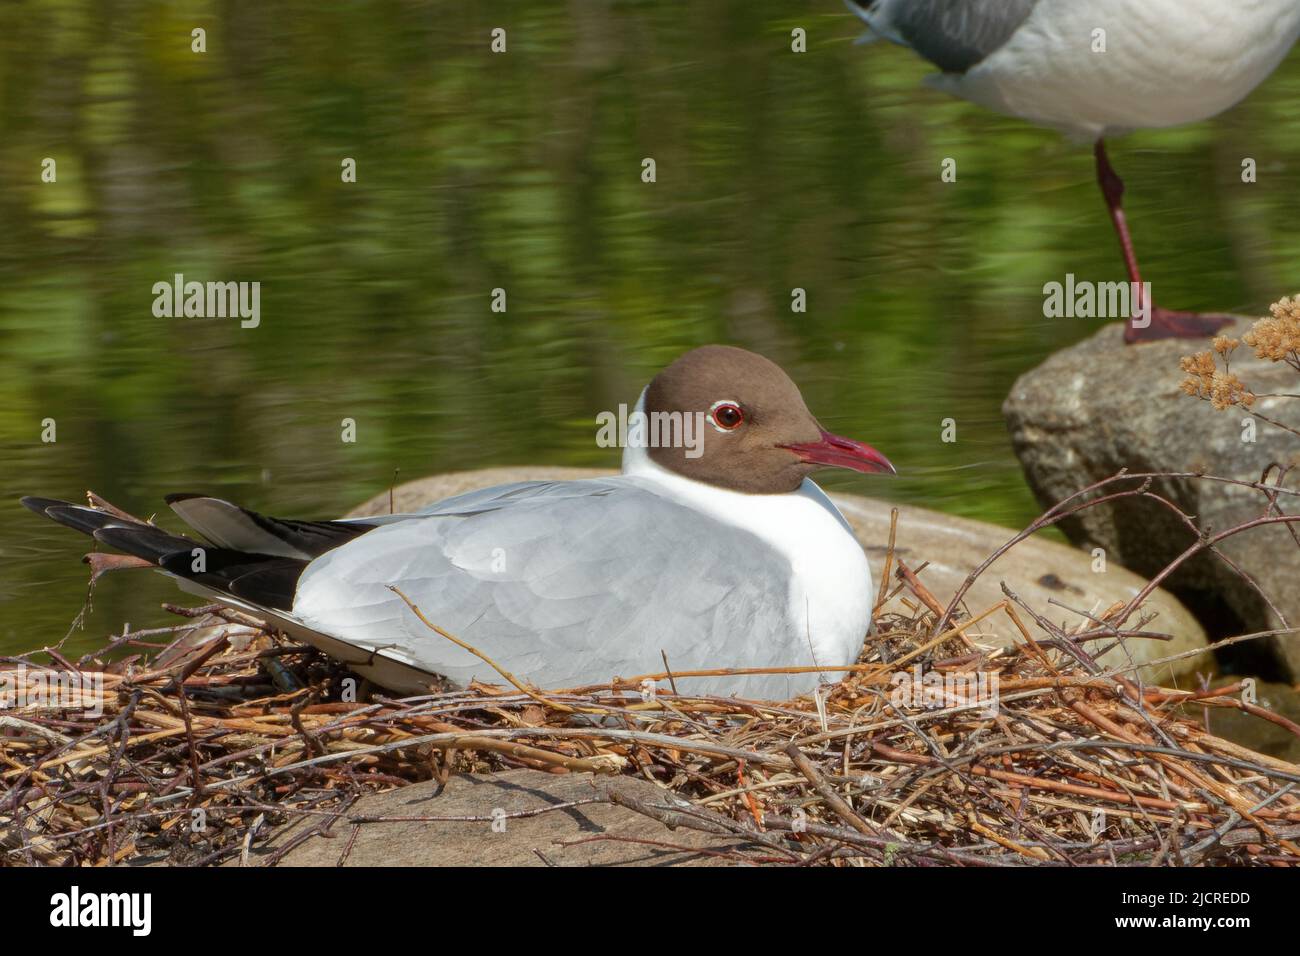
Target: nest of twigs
(216, 734)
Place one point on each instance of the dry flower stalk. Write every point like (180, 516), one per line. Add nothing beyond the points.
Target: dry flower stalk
(1222, 389)
(1275, 338)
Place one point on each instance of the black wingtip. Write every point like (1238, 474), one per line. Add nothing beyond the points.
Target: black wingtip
(267, 580)
(143, 541)
(37, 504)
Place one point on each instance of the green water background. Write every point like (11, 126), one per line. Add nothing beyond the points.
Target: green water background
(522, 170)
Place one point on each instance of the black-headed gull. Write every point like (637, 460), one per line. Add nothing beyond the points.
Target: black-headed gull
(716, 550)
(1099, 68)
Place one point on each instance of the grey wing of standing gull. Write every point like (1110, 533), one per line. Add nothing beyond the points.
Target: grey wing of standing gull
(955, 35)
(565, 583)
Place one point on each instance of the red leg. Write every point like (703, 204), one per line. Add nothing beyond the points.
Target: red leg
(1165, 323)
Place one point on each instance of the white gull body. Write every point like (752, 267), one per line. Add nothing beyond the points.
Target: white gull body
(1159, 63)
(718, 554)
(573, 583)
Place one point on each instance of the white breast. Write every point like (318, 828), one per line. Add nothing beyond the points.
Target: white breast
(1166, 62)
(830, 588)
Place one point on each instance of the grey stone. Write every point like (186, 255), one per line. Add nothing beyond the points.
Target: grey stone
(594, 834)
(1261, 735)
(1097, 407)
(1038, 570)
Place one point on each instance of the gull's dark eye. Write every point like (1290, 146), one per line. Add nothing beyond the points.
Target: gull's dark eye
(727, 416)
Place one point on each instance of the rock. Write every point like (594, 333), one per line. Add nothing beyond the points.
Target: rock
(1263, 736)
(525, 841)
(1038, 570)
(1097, 407)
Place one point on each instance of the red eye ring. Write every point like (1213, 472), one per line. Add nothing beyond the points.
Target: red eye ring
(726, 416)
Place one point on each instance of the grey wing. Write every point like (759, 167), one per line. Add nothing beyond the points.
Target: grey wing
(564, 584)
(955, 35)
(488, 499)
(505, 496)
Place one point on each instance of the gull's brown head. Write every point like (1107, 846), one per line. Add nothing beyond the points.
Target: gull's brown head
(757, 434)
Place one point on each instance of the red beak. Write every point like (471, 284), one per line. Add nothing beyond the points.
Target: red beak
(836, 452)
